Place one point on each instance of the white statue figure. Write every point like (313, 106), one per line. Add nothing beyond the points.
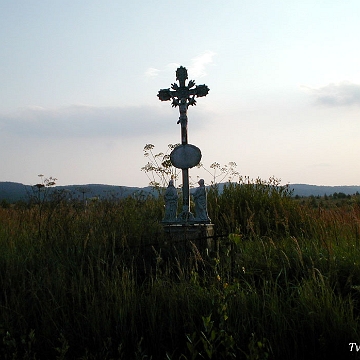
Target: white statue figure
(171, 200)
(201, 203)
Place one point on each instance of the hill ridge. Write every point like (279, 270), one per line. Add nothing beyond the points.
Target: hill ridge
(15, 191)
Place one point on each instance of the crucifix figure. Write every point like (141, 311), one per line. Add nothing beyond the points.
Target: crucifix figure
(184, 156)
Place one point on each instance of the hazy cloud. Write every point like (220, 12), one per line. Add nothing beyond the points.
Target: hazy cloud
(152, 72)
(342, 94)
(196, 68)
(87, 121)
(320, 165)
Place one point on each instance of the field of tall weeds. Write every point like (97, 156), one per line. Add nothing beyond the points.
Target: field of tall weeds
(101, 281)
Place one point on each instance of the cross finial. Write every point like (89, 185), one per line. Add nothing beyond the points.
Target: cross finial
(181, 75)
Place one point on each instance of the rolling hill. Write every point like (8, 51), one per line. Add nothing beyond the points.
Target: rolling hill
(13, 192)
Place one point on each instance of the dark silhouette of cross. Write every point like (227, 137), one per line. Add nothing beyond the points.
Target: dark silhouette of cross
(183, 96)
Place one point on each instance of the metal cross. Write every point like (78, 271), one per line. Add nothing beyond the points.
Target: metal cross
(182, 96)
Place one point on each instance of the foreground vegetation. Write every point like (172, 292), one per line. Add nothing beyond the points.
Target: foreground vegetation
(101, 282)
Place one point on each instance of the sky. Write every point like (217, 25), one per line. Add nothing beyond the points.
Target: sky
(79, 82)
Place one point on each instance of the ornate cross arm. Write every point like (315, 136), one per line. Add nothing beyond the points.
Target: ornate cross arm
(181, 93)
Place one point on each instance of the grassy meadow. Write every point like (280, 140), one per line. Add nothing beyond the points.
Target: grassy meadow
(100, 281)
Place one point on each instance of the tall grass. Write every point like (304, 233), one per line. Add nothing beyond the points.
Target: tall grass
(254, 208)
(101, 282)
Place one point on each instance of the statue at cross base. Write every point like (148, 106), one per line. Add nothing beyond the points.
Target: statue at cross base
(171, 201)
(200, 199)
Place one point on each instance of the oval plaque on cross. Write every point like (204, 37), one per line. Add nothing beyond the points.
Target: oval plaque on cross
(185, 156)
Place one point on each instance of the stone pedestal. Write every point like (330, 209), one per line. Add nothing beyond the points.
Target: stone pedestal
(184, 236)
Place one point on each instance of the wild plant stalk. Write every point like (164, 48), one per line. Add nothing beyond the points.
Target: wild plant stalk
(160, 170)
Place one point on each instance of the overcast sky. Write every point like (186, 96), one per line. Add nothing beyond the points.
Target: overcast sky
(79, 79)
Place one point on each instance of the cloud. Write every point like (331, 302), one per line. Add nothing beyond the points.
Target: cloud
(342, 94)
(152, 72)
(320, 165)
(87, 121)
(172, 66)
(196, 69)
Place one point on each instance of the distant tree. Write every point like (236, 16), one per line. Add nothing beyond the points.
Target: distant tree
(342, 195)
(83, 190)
(313, 202)
(4, 204)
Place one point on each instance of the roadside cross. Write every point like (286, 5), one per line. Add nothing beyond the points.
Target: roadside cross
(183, 96)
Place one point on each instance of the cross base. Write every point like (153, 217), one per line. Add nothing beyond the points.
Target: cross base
(185, 218)
(201, 235)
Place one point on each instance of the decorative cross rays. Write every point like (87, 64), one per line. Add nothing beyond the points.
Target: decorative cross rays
(184, 156)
